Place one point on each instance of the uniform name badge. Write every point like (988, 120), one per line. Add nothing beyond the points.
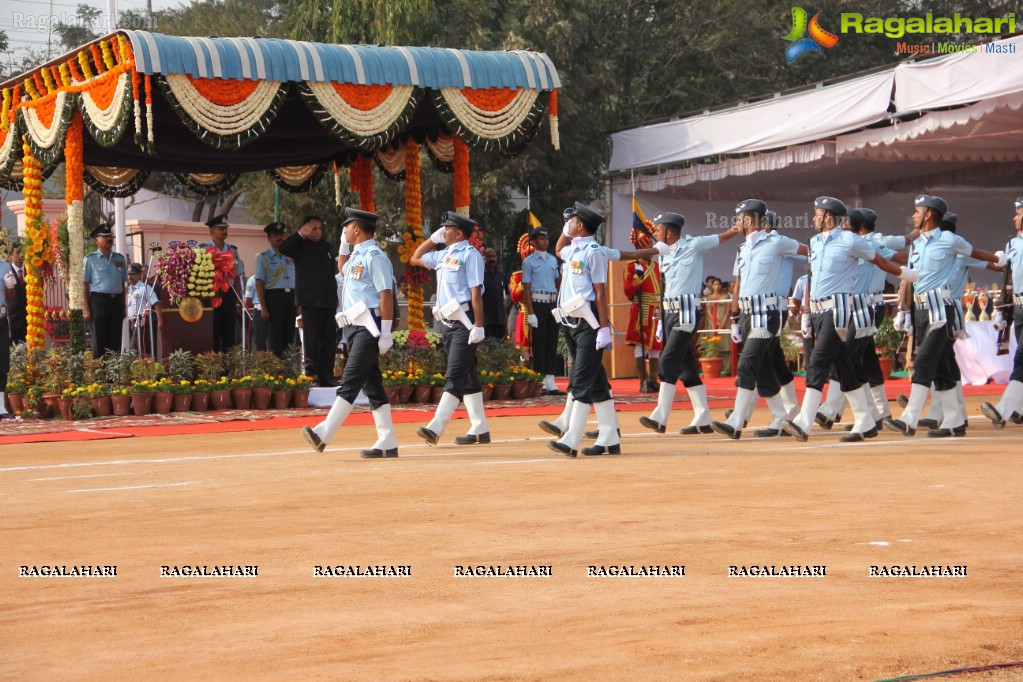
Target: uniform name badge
(356, 271)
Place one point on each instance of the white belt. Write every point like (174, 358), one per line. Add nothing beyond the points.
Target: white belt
(876, 299)
(822, 305)
(542, 297)
(921, 299)
(745, 306)
(1017, 299)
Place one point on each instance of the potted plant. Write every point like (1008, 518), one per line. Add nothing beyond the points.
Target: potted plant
(220, 393)
(120, 400)
(163, 395)
(393, 381)
(17, 377)
(887, 341)
(142, 396)
(182, 391)
(117, 367)
(263, 385)
(282, 392)
(437, 381)
(99, 399)
(241, 392)
(709, 348)
(200, 395)
(300, 392)
(521, 382)
(502, 382)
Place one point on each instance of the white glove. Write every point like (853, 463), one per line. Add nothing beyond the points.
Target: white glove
(999, 321)
(438, 236)
(908, 275)
(736, 332)
(10, 280)
(1002, 259)
(639, 269)
(662, 248)
(340, 318)
(805, 328)
(564, 229)
(476, 335)
(603, 337)
(900, 320)
(384, 341)
(344, 248)
(907, 324)
(533, 320)
(660, 331)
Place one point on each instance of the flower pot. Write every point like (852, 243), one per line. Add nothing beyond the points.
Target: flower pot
(887, 365)
(521, 389)
(17, 401)
(51, 401)
(261, 397)
(711, 367)
(64, 405)
(163, 401)
(405, 393)
(182, 402)
(537, 389)
(300, 397)
(502, 391)
(436, 393)
(488, 393)
(282, 398)
(242, 398)
(422, 393)
(220, 399)
(120, 405)
(393, 393)
(200, 401)
(102, 406)
(141, 403)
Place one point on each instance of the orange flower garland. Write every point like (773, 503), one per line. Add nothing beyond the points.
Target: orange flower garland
(490, 99)
(461, 180)
(37, 248)
(552, 112)
(223, 92)
(363, 97)
(361, 172)
(413, 236)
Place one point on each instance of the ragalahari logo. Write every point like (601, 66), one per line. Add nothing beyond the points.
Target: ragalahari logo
(819, 37)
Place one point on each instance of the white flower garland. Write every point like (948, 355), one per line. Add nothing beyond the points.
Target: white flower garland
(393, 161)
(362, 123)
(296, 175)
(45, 137)
(76, 257)
(491, 125)
(555, 134)
(7, 146)
(106, 119)
(443, 149)
(222, 120)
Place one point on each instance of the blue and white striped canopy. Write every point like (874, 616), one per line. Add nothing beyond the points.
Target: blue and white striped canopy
(292, 60)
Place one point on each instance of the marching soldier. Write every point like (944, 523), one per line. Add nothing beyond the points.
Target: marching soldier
(105, 275)
(226, 312)
(642, 284)
(540, 281)
(1011, 403)
(368, 303)
(459, 269)
(275, 290)
(683, 274)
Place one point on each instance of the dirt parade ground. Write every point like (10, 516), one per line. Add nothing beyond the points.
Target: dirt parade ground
(248, 556)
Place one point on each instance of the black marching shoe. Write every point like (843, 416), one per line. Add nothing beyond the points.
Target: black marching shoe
(899, 426)
(858, 437)
(602, 450)
(426, 434)
(768, 433)
(311, 438)
(652, 425)
(562, 448)
(824, 422)
(902, 400)
(725, 429)
(550, 428)
(596, 432)
(991, 412)
(928, 424)
(470, 439)
(694, 430)
(947, 433)
(793, 429)
(374, 453)
(1016, 418)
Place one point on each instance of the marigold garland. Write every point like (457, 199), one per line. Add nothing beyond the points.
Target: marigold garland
(414, 276)
(223, 92)
(552, 112)
(461, 179)
(108, 58)
(83, 61)
(37, 248)
(490, 99)
(97, 58)
(361, 179)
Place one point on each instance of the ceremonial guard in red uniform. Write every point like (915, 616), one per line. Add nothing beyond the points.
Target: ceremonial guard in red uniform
(643, 286)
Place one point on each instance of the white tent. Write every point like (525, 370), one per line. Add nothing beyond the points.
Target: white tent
(950, 126)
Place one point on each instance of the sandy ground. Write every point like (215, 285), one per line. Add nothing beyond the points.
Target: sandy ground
(705, 502)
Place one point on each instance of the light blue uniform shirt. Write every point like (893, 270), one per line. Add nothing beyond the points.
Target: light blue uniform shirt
(459, 268)
(276, 270)
(799, 291)
(788, 267)
(957, 285)
(933, 255)
(759, 265)
(4, 269)
(367, 273)
(239, 266)
(585, 264)
(833, 262)
(1014, 251)
(250, 292)
(105, 275)
(540, 272)
(141, 295)
(870, 278)
(682, 267)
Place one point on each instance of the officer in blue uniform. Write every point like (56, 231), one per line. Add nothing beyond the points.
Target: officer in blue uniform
(459, 269)
(225, 315)
(8, 283)
(366, 320)
(834, 254)
(682, 269)
(105, 276)
(275, 290)
(1010, 406)
(540, 280)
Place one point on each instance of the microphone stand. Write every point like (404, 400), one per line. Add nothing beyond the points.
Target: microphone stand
(245, 313)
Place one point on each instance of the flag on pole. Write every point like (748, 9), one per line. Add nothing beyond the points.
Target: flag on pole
(638, 217)
(534, 221)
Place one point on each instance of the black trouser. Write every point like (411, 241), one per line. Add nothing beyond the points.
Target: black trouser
(588, 382)
(225, 321)
(933, 362)
(755, 369)
(107, 322)
(5, 355)
(257, 331)
(1017, 359)
(280, 328)
(463, 377)
(545, 339)
(319, 334)
(870, 366)
(781, 365)
(362, 371)
(19, 326)
(146, 325)
(830, 354)
(677, 358)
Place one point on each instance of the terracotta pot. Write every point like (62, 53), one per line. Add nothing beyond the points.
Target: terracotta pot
(711, 367)
(163, 401)
(422, 393)
(261, 397)
(502, 391)
(141, 403)
(182, 402)
(102, 406)
(436, 393)
(200, 401)
(51, 400)
(220, 399)
(242, 398)
(537, 389)
(282, 399)
(393, 394)
(405, 393)
(17, 401)
(121, 405)
(64, 405)
(488, 392)
(521, 389)
(887, 365)
(300, 397)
